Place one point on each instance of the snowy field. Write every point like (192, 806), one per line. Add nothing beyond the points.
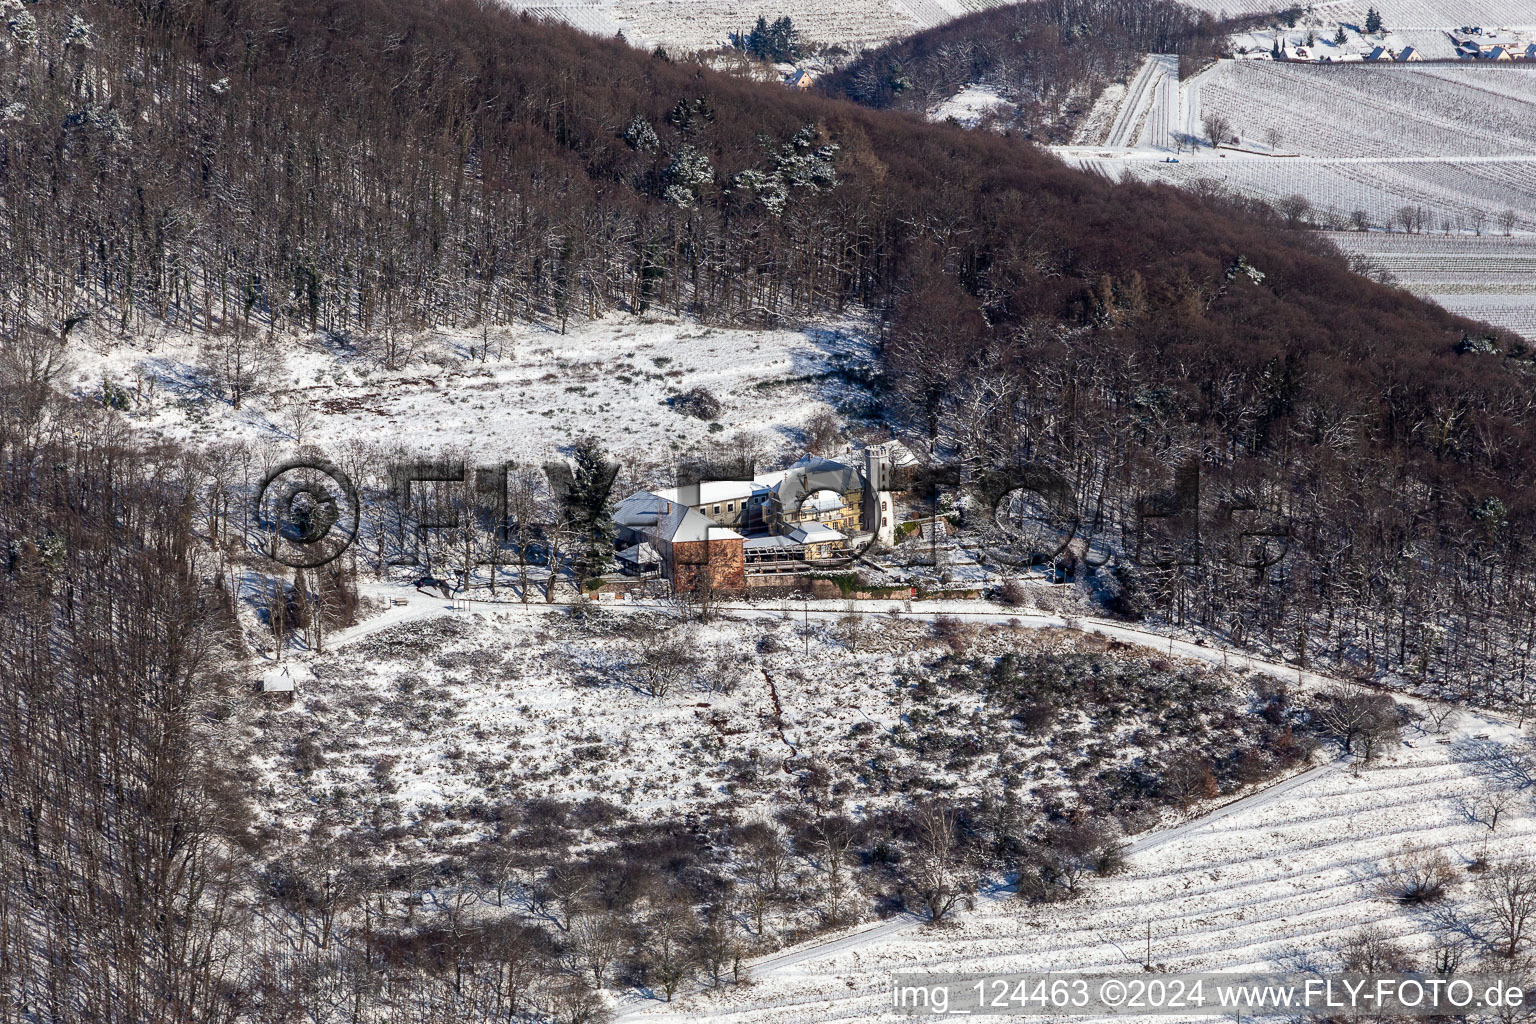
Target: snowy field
(1457, 143)
(688, 25)
(1444, 188)
(1454, 144)
(1432, 14)
(422, 722)
(969, 106)
(1277, 884)
(697, 24)
(534, 390)
(1453, 110)
(1490, 278)
(1147, 113)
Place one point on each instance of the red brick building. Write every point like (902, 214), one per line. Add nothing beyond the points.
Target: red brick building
(687, 546)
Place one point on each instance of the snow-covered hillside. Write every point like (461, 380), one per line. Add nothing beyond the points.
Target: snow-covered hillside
(695, 25)
(686, 25)
(511, 701)
(519, 395)
(1431, 148)
(1395, 14)
(1280, 883)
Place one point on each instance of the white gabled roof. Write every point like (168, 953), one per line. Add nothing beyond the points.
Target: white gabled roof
(286, 678)
(774, 540)
(810, 475)
(815, 533)
(668, 519)
(641, 554)
(768, 481)
(708, 492)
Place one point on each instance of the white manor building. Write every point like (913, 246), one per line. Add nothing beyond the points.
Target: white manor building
(818, 510)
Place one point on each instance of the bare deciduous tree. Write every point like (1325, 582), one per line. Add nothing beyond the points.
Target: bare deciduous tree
(238, 362)
(1507, 898)
(1358, 718)
(939, 876)
(666, 946)
(1370, 951)
(1218, 127)
(765, 868)
(297, 416)
(1296, 209)
(597, 939)
(1490, 806)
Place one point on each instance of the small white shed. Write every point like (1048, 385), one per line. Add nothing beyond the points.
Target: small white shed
(285, 678)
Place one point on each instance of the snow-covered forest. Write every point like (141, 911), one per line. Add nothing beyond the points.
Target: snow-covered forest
(236, 231)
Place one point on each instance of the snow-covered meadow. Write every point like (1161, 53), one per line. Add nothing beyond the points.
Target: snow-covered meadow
(695, 25)
(690, 25)
(423, 715)
(420, 728)
(969, 106)
(521, 395)
(1395, 14)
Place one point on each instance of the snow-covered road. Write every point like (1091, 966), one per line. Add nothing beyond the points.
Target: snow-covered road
(1146, 116)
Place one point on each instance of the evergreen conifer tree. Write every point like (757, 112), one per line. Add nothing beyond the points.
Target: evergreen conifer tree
(589, 509)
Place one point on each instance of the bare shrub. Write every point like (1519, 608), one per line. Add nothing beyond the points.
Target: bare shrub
(1188, 777)
(1369, 951)
(1055, 867)
(700, 403)
(1417, 875)
(952, 632)
(1011, 593)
